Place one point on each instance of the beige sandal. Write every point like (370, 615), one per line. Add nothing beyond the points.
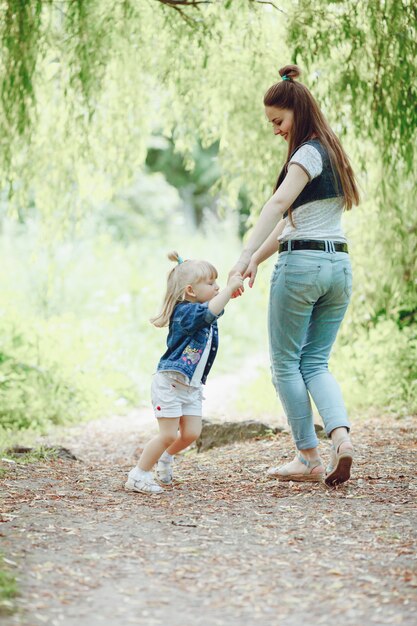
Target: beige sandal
(280, 473)
(340, 463)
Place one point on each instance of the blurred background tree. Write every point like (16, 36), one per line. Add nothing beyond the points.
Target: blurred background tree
(131, 128)
(364, 54)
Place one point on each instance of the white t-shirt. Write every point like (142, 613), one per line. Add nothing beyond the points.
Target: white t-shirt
(319, 219)
(199, 370)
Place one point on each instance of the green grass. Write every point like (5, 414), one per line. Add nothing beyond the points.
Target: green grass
(8, 589)
(40, 453)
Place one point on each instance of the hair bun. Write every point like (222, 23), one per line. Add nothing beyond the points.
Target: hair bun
(173, 256)
(292, 71)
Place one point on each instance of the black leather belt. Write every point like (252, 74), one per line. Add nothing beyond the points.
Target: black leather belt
(314, 244)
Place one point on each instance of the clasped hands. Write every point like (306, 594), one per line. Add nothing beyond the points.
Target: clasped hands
(241, 271)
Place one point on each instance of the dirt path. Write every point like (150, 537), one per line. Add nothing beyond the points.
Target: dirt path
(222, 546)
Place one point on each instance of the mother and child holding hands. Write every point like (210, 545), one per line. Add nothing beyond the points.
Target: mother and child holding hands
(310, 290)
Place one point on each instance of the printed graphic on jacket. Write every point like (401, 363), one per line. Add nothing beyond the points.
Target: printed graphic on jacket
(191, 355)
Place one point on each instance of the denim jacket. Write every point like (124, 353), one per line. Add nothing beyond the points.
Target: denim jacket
(326, 185)
(189, 329)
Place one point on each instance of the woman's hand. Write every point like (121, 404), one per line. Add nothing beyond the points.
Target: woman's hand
(251, 272)
(239, 267)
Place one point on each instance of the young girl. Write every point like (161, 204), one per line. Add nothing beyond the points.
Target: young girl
(312, 280)
(191, 307)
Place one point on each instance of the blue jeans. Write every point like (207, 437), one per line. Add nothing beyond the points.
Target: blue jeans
(310, 292)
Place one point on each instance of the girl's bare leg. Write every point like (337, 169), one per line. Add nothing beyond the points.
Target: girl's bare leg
(168, 429)
(190, 429)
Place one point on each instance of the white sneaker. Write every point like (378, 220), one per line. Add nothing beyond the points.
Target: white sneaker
(164, 470)
(142, 482)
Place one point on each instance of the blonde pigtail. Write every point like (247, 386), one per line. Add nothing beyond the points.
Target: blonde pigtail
(186, 272)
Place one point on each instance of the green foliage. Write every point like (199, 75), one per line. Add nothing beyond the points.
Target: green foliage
(378, 367)
(193, 186)
(20, 35)
(258, 400)
(199, 186)
(91, 29)
(76, 340)
(34, 390)
(365, 53)
(95, 68)
(148, 207)
(362, 56)
(84, 87)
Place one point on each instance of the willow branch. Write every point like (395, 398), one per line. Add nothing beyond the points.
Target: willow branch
(177, 4)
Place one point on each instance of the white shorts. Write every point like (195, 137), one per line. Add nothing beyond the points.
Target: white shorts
(171, 398)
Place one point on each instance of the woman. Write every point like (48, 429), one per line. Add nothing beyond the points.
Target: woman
(312, 280)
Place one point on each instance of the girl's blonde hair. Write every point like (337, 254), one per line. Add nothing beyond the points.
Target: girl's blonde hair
(188, 272)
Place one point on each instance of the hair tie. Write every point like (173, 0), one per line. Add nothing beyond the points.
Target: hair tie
(285, 77)
(180, 260)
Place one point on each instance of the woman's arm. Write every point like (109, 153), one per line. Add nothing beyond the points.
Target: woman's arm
(270, 245)
(267, 249)
(290, 188)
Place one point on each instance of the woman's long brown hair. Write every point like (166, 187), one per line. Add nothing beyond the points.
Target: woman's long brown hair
(309, 121)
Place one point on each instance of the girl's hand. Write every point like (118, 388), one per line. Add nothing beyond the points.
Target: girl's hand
(235, 283)
(237, 270)
(251, 273)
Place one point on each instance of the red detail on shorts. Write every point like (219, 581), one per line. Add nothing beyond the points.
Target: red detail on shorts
(158, 408)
